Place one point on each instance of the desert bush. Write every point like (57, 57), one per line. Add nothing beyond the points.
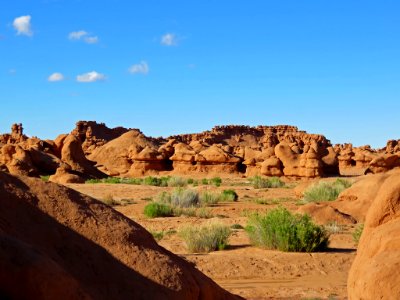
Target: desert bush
(184, 211)
(325, 191)
(333, 227)
(185, 198)
(282, 230)
(216, 181)
(109, 200)
(156, 181)
(209, 198)
(204, 181)
(177, 182)
(190, 181)
(206, 238)
(259, 182)
(156, 209)
(229, 196)
(357, 233)
(204, 213)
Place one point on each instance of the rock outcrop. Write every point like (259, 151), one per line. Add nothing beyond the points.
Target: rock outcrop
(375, 271)
(56, 243)
(243, 150)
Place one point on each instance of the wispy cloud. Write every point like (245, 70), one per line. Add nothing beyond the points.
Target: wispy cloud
(90, 77)
(91, 39)
(169, 39)
(77, 35)
(84, 36)
(23, 25)
(140, 68)
(56, 77)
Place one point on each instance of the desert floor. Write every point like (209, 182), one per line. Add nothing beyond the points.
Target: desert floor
(243, 269)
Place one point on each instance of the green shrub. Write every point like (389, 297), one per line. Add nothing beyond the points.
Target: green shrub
(229, 196)
(156, 209)
(177, 182)
(190, 181)
(204, 181)
(216, 181)
(282, 230)
(184, 211)
(209, 198)
(325, 191)
(259, 182)
(206, 238)
(204, 213)
(357, 233)
(185, 198)
(155, 181)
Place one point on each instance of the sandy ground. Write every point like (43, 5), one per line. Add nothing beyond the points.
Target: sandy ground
(243, 269)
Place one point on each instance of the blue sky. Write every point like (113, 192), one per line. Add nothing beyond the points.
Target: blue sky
(168, 67)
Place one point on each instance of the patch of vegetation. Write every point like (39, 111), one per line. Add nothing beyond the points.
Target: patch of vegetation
(204, 213)
(187, 211)
(184, 198)
(229, 196)
(159, 235)
(209, 198)
(217, 181)
(156, 209)
(259, 182)
(190, 181)
(45, 178)
(272, 201)
(125, 202)
(204, 181)
(357, 233)
(177, 182)
(156, 181)
(280, 229)
(109, 200)
(325, 191)
(333, 227)
(206, 238)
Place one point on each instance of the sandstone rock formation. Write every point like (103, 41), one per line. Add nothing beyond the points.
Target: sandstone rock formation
(242, 150)
(56, 243)
(93, 134)
(375, 271)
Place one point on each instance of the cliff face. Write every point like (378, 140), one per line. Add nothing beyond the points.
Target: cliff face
(263, 150)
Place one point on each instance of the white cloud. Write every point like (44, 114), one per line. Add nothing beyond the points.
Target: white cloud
(140, 68)
(84, 36)
(90, 77)
(77, 35)
(56, 77)
(91, 39)
(169, 39)
(23, 25)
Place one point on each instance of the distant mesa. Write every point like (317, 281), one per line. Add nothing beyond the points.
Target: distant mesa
(92, 150)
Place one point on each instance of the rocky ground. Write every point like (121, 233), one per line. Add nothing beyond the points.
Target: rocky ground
(243, 269)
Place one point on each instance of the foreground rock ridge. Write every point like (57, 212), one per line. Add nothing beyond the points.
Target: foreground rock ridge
(92, 150)
(56, 243)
